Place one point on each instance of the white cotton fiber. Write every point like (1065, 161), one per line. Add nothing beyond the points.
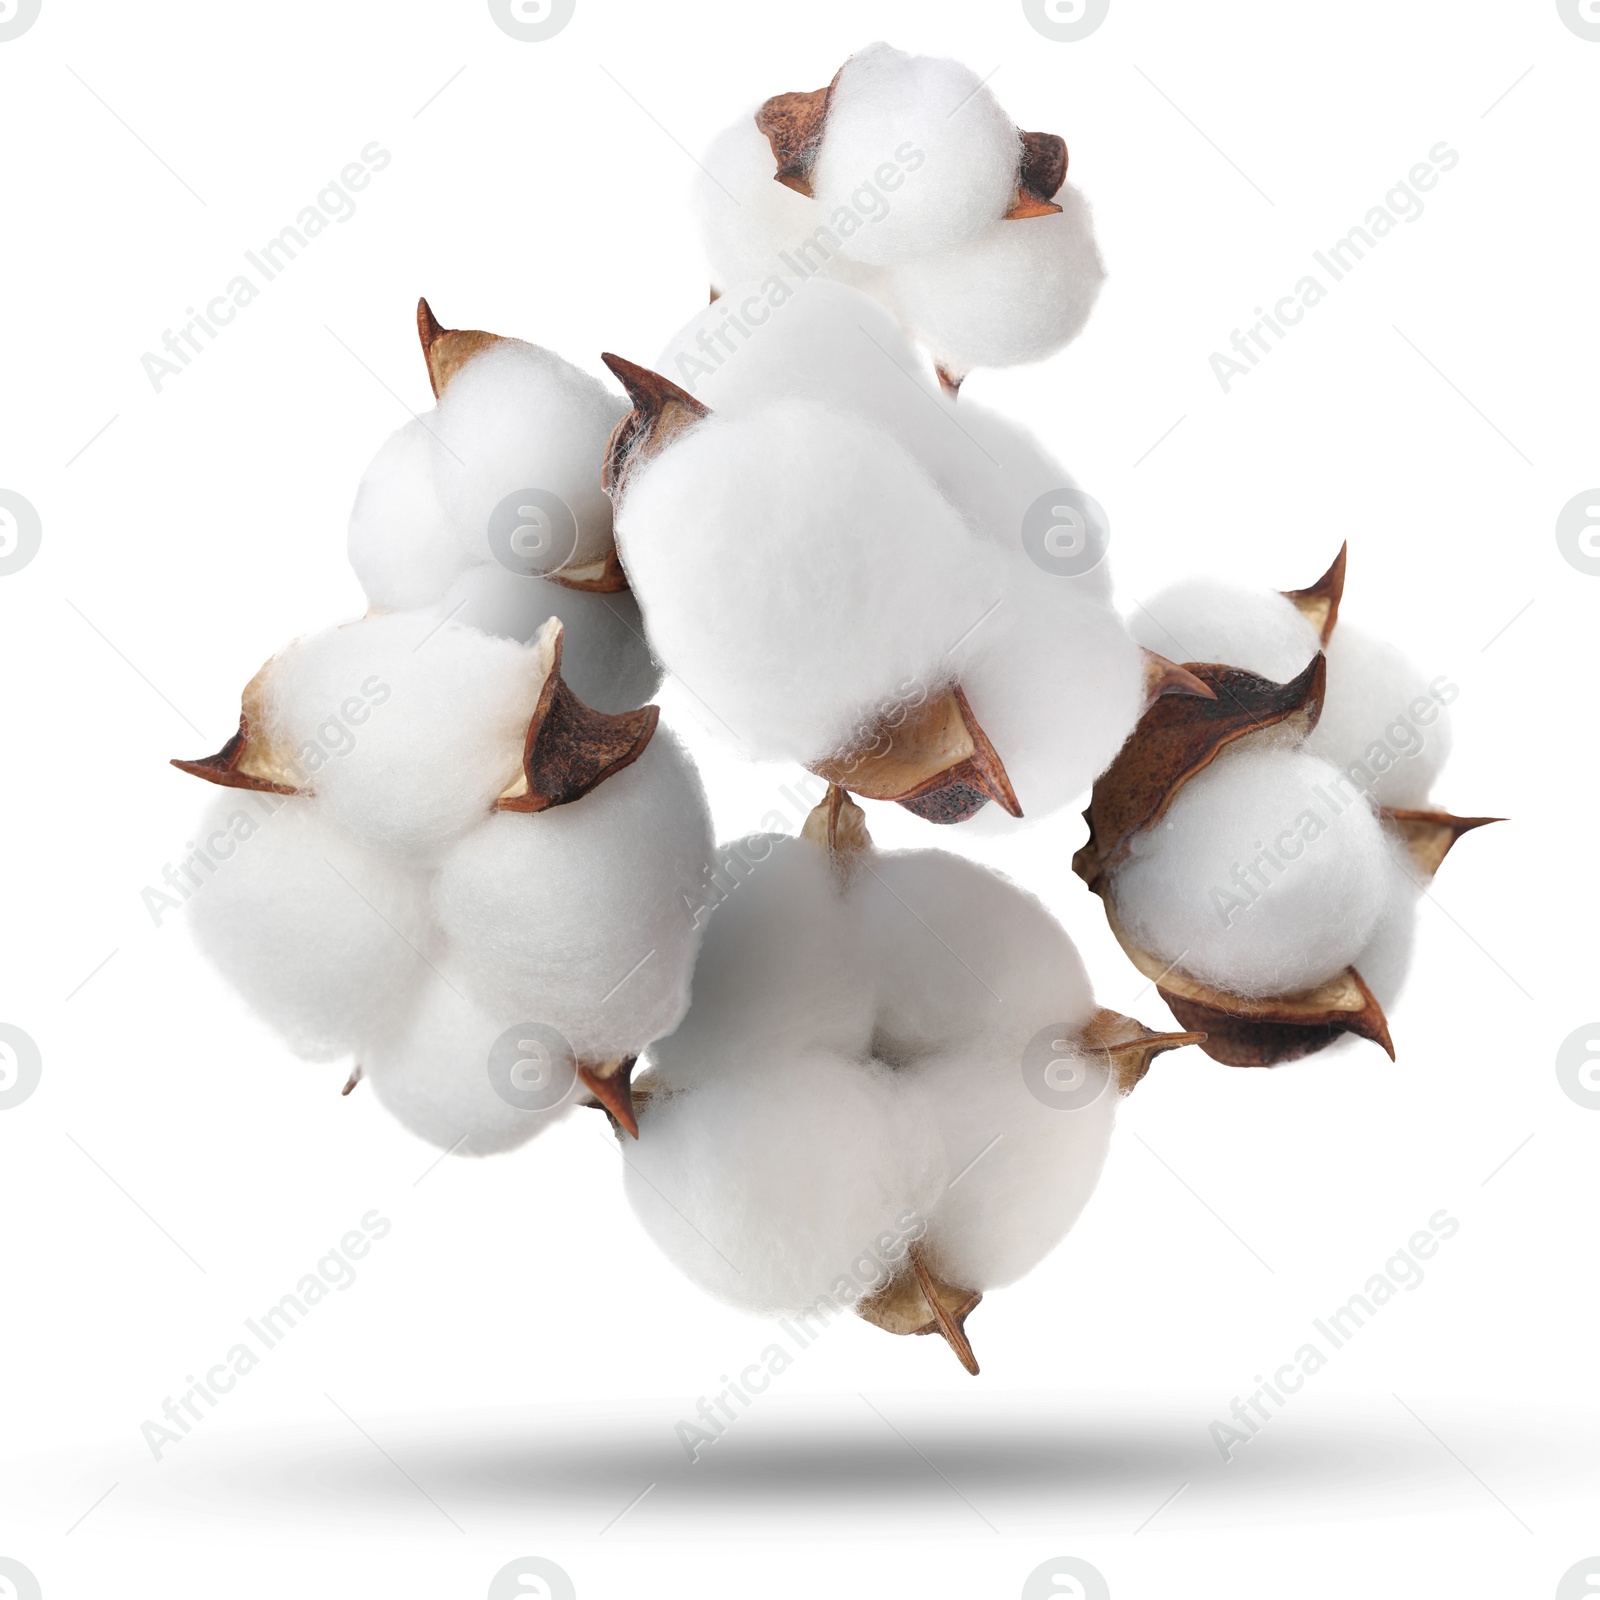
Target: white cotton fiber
(399, 540)
(1256, 630)
(1383, 721)
(776, 1187)
(518, 417)
(919, 147)
(604, 657)
(1057, 684)
(969, 969)
(1385, 959)
(581, 918)
(1266, 877)
(752, 226)
(319, 937)
(782, 968)
(406, 728)
(1018, 292)
(800, 574)
(960, 958)
(811, 340)
(430, 1069)
(1023, 1169)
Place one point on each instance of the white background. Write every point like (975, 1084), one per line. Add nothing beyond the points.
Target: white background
(504, 1378)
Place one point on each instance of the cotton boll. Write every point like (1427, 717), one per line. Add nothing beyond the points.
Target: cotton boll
(318, 936)
(777, 1187)
(1018, 292)
(1256, 630)
(800, 574)
(782, 971)
(1027, 1169)
(1382, 720)
(399, 540)
(750, 223)
(581, 917)
(935, 125)
(518, 417)
(1057, 684)
(605, 659)
(961, 958)
(406, 728)
(1195, 892)
(430, 1070)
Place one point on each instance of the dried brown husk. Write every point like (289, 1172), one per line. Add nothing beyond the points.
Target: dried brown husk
(569, 749)
(1174, 740)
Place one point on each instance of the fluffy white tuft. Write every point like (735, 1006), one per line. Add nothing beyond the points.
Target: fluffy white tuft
(399, 538)
(430, 1070)
(1256, 630)
(800, 574)
(1264, 877)
(515, 417)
(1382, 720)
(1018, 292)
(318, 936)
(407, 728)
(581, 917)
(938, 129)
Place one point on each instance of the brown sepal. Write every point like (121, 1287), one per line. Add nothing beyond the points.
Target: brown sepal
(1429, 835)
(1180, 735)
(610, 1082)
(247, 760)
(916, 1301)
(1043, 171)
(793, 125)
(661, 411)
(571, 748)
(1167, 677)
(1319, 604)
(447, 350)
(604, 576)
(937, 763)
(1129, 1045)
(840, 826)
(357, 1072)
(949, 382)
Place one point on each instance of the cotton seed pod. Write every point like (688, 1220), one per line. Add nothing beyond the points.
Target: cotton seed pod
(927, 131)
(855, 1112)
(489, 510)
(1252, 878)
(320, 937)
(883, 615)
(409, 732)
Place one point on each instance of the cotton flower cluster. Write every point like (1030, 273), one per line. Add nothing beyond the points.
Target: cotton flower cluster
(852, 1083)
(827, 550)
(488, 510)
(907, 179)
(462, 854)
(1282, 857)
